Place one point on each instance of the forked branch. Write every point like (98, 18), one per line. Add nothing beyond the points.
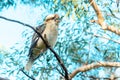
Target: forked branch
(101, 20)
(93, 66)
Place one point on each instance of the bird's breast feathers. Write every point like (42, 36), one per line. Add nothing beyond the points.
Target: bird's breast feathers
(50, 35)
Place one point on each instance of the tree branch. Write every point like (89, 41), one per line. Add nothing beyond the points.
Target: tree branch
(92, 66)
(101, 20)
(55, 54)
(118, 41)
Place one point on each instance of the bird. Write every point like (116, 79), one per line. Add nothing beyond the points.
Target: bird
(49, 31)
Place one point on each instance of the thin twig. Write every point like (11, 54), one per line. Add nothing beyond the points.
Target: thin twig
(59, 71)
(107, 38)
(113, 14)
(27, 74)
(49, 47)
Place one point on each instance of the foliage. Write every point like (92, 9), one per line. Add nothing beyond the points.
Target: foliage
(6, 3)
(76, 44)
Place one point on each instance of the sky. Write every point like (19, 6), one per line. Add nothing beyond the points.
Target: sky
(10, 32)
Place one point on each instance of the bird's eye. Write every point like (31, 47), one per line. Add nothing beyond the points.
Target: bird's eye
(52, 18)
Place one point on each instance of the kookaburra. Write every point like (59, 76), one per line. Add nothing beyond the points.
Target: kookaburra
(49, 31)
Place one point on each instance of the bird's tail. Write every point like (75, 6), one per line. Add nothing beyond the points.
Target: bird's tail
(29, 64)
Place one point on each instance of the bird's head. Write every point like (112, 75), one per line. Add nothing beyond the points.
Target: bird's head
(53, 17)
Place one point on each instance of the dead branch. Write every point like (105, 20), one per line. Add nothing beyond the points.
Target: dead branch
(101, 20)
(92, 66)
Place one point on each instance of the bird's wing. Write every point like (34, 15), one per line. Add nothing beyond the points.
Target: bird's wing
(35, 38)
(40, 29)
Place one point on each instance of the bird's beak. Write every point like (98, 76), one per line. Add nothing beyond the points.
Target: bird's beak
(57, 20)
